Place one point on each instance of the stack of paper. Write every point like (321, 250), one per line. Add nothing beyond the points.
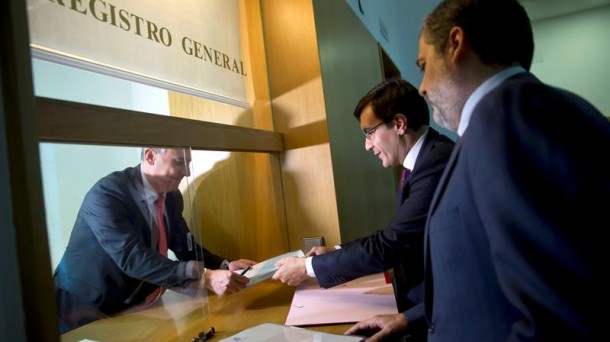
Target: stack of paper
(346, 303)
(265, 269)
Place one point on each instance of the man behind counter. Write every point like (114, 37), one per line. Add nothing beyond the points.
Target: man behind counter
(116, 257)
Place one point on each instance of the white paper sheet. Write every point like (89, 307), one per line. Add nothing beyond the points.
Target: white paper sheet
(346, 303)
(280, 333)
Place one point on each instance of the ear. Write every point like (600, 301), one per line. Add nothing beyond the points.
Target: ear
(400, 120)
(149, 155)
(457, 44)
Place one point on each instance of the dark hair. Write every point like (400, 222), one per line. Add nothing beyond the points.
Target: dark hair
(499, 31)
(394, 96)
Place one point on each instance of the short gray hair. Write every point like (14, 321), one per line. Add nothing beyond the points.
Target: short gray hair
(159, 150)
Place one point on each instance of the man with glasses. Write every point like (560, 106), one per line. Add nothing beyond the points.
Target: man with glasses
(394, 119)
(117, 254)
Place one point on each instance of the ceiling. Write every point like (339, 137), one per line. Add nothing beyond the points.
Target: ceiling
(543, 9)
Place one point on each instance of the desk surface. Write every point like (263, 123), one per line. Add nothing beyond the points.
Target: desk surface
(179, 318)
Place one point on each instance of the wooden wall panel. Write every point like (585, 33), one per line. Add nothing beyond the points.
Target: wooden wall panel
(239, 203)
(299, 113)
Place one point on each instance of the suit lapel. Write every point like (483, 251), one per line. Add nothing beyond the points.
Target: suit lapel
(440, 189)
(135, 190)
(445, 177)
(427, 145)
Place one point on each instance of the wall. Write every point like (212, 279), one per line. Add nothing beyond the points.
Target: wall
(571, 49)
(68, 171)
(350, 65)
(572, 53)
(296, 90)
(396, 26)
(239, 201)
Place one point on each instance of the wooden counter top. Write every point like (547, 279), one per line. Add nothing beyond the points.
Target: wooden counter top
(180, 318)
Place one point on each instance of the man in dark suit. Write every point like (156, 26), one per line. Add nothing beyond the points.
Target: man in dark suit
(112, 261)
(512, 246)
(394, 119)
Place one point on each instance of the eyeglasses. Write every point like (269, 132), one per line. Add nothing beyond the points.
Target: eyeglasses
(368, 133)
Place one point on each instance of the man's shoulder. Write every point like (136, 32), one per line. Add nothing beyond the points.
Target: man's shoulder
(117, 180)
(440, 144)
(436, 152)
(438, 138)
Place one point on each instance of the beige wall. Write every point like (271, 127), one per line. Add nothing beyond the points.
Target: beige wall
(299, 113)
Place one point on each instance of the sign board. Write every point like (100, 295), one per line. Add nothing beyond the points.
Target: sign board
(190, 46)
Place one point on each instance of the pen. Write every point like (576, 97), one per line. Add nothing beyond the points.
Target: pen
(246, 270)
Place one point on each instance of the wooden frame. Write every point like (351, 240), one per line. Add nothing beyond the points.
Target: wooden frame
(71, 122)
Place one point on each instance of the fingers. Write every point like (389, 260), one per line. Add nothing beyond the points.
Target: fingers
(281, 262)
(318, 250)
(381, 326)
(292, 271)
(311, 252)
(359, 328)
(381, 335)
(234, 287)
(226, 282)
(241, 264)
(289, 278)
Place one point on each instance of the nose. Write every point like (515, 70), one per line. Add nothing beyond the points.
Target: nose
(368, 145)
(186, 170)
(422, 89)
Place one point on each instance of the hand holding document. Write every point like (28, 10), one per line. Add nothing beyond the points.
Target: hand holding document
(265, 269)
(292, 271)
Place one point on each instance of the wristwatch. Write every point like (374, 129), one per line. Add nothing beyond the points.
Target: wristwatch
(224, 265)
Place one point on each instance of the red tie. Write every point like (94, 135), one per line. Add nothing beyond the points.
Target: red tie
(403, 177)
(160, 202)
(162, 247)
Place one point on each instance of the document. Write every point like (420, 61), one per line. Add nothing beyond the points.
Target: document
(265, 269)
(346, 303)
(282, 333)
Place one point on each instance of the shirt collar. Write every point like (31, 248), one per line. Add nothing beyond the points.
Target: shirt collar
(149, 194)
(481, 91)
(411, 157)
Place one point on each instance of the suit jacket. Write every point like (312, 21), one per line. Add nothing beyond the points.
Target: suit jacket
(512, 245)
(109, 263)
(401, 241)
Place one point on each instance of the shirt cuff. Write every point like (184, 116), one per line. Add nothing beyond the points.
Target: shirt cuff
(187, 269)
(309, 267)
(191, 288)
(191, 269)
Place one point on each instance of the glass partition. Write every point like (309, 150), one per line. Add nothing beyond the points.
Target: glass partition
(227, 211)
(105, 246)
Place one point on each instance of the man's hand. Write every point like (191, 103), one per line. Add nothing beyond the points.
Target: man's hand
(317, 250)
(225, 282)
(381, 326)
(241, 264)
(292, 271)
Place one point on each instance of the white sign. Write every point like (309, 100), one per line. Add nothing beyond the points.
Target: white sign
(191, 46)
